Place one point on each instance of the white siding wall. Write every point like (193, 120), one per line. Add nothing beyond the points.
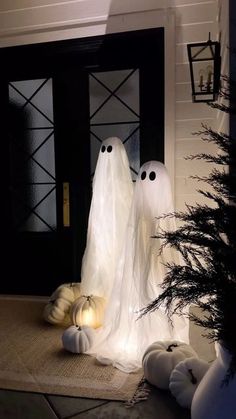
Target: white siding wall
(223, 118)
(194, 21)
(30, 21)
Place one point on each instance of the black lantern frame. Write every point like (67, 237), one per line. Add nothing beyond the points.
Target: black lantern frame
(205, 61)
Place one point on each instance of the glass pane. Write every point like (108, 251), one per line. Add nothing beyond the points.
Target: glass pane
(132, 146)
(123, 131)
(43, 100)
(36, 118)
(45, 155)
(97, 94)
(114, 112)
(42, 209)
(31, 203)
(112, 79)
(33, 139)
(27, 87)
(204, 52)
(204, 76)
(33, 223)
(129, 92)
(32, 155)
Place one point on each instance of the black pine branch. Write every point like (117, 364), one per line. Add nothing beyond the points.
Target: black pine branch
(206, 241)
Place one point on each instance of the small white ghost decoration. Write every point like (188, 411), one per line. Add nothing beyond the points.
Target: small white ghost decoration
(124, 338)
(109, 211)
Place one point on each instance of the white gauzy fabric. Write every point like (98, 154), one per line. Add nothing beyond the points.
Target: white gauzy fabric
(108, 216)
(123, 338)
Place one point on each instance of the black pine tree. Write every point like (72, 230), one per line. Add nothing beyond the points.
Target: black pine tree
(206, 239)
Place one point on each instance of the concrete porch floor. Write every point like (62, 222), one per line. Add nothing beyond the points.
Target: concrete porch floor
(19, 405)
(159, 405)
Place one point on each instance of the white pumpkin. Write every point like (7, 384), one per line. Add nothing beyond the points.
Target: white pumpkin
(57, 309)
(88, 311)
(185, 378)
(161, 357)
(78, 339)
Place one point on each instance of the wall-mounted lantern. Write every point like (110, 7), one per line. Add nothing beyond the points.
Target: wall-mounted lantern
(204, 60)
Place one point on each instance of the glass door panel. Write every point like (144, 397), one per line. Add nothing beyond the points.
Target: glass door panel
(32, 160)
(114, 112)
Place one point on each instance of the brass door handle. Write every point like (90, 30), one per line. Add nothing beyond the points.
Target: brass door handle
(66, 204)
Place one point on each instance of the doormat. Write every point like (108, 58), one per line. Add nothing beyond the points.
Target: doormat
(32, 358)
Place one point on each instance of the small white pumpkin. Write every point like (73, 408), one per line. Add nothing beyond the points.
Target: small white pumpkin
(78, 339)
(88, 311)
(161, 357)
(57, 309)
(185, 378)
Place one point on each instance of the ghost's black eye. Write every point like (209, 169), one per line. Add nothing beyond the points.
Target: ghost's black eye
(143, 175)
(152, 176)
(103, 149)
(109, 148)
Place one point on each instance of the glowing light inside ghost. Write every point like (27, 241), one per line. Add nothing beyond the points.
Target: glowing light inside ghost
(109, 211)
(141, 269)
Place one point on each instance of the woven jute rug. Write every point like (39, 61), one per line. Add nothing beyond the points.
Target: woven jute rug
(32, 358)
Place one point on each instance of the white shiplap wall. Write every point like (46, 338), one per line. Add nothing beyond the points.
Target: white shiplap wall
(30, 21)
(223, 118)
(194, 22)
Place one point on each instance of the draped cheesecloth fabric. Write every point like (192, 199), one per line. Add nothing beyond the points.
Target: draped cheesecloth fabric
(109, 211)
(123, 338)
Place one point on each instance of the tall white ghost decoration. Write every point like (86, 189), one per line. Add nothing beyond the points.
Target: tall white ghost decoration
(124, 338)
(109, 211)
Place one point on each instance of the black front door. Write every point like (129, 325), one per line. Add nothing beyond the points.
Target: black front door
(57, 107)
